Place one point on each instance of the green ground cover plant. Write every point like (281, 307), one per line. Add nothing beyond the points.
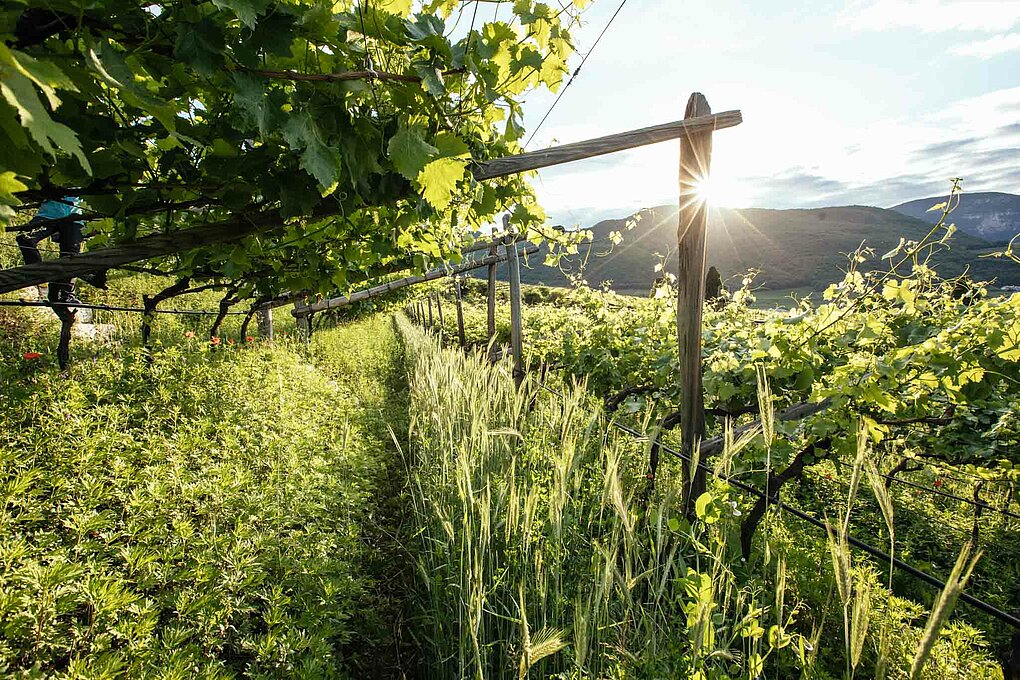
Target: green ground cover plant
(194, 511)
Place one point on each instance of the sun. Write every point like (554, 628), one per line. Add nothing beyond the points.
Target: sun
(706, 190)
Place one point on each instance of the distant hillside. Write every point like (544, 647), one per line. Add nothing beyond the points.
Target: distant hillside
(793, 248)
(990, 215)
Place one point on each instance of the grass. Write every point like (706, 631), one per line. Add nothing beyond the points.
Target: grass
(540, 555)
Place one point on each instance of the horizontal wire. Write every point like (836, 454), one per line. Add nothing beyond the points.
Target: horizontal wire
(108, 308)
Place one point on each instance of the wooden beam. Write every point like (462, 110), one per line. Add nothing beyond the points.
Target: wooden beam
(695, 166)
(288, 297)
(144, 248)
(431, 275)
(557, 155)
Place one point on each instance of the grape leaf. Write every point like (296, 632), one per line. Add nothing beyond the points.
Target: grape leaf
(248, 11)
(19, 93)
(438, 180)
(409, 152)
(317, 159)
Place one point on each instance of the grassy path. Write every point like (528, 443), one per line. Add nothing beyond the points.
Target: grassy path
(367, 359)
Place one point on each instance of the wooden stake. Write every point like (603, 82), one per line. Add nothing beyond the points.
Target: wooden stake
(460, 312)
(304, 321)
(439, 312)
(429, 298)
(491, 291)
(265, 317)
(695, 165)
(516, 344)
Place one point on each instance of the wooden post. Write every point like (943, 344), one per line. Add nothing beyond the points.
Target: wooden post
(265, 317)
(460, 311)
(516, 345)
(304, 321)
(491, 325)
(695, 164)
(429, 298)
(439, 312)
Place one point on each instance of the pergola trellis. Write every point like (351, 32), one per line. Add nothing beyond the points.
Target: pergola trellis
(695, 134)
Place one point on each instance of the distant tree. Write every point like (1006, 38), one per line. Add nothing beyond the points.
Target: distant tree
(713, 285)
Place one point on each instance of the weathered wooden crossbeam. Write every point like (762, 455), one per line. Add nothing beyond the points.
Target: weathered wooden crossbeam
(430, 275)
(288, 297)
(567, 153)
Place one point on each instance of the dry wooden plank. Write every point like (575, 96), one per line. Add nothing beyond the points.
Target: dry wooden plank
(557, 155)
(695, 167)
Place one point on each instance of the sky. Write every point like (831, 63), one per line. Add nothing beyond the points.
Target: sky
(873, 102)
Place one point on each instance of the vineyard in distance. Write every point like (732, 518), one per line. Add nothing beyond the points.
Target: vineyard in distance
(275, 402)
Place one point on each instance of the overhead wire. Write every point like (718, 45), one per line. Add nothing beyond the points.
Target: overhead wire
(577, 70)
(108, 308)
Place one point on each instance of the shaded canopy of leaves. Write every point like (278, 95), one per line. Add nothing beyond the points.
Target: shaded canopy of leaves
(235, 106)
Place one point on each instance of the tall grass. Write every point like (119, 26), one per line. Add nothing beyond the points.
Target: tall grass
(537, 552)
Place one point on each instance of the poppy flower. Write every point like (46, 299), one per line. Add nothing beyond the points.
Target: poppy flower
(31, 356)
(189, 335)
(249, 339)
(214, 340)
(230, 341)
(939, 483)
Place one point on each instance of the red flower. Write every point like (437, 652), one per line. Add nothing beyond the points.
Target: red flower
(214, 340)
(249, 339)
(939, 483)
(189, 335)
(31, 356)
(230, 341)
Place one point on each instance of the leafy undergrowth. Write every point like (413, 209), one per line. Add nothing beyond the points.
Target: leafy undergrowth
(208, 513)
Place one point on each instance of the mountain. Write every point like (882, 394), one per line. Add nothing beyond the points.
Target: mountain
(990, 215)
(792, 248)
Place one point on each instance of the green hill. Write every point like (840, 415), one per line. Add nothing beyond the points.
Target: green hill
(792, 248)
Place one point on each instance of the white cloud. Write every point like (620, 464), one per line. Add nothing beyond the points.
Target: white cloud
(992, 47)
(933, 16)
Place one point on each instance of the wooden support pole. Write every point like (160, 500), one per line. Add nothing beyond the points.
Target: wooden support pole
(265, 317)
(429, 300)
(439, 313)
(304, 321)
(460, 311)
(491, 291)
(695, 166)
(516, 343)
